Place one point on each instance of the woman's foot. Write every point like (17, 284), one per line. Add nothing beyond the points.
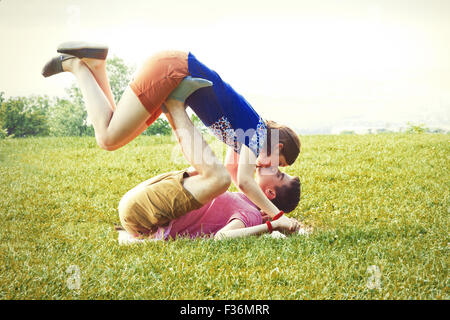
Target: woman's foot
(56, 65)
(82, 49)
(187, 87)
(71, 65)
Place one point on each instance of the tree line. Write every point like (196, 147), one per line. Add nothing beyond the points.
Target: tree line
(55, 116)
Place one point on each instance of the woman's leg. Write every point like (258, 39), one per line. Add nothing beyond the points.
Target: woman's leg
(114, 127)
(212, 179)
(98, 69)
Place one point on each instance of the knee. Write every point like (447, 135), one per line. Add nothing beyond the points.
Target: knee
(106, 144)
(124, 206)
(124, 211)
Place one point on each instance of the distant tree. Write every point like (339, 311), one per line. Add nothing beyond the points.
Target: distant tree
(198, 123)
(160, 126)
(419, 128)
(119, 75)
(436, 130)
(75, 95)
(3, 131)
(347, 132)
(22, 116)
(67, 118)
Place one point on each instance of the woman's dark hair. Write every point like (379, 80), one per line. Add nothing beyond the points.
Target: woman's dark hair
(286, 136)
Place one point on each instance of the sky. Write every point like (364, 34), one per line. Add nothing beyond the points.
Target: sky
(334, 64)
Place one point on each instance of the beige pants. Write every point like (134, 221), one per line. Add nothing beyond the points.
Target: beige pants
(155, 202)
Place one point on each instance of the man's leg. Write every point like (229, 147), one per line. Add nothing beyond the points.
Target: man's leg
(212, 179)
(150, 204)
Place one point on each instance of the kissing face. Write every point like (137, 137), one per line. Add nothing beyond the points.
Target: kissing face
(276, 159)
(270, 177)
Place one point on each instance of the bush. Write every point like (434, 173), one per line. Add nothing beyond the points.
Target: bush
(68, 119)
(22, 117)
(419, 128)
(3, 133)
(160, 126)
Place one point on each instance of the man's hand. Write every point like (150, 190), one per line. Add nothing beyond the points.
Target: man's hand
(286, 225)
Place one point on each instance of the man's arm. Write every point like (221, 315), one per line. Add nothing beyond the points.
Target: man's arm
(236, 229)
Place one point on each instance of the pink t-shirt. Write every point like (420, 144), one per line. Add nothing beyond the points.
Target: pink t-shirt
(212, 217)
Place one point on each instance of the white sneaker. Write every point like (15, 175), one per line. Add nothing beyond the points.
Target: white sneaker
(126, 239)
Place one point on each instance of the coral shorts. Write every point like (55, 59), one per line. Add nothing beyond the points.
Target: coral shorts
(158, 77)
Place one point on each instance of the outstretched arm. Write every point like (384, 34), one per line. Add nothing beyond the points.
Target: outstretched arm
(236, 229)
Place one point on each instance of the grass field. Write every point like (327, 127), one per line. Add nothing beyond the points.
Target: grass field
(379, 205)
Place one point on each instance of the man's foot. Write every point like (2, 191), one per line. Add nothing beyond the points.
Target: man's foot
(188, 86)
(126, 239)
(82, 49)
(55, 65)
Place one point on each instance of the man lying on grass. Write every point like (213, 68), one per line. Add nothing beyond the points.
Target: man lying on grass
(161, 208)
(196, 203)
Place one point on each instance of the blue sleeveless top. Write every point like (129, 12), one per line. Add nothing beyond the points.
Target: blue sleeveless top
(224, 111)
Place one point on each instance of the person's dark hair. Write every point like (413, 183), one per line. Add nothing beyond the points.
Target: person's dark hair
(289, 139)
(288, 196)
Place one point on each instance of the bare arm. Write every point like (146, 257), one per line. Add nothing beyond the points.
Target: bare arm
(244, 232)
(248, 185)
(236, 229)
(232, 164)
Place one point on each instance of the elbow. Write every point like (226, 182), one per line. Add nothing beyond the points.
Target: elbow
(219, 236)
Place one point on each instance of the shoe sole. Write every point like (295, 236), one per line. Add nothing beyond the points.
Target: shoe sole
(84, 50)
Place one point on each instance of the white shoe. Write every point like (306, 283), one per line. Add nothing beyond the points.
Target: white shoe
(126, 239)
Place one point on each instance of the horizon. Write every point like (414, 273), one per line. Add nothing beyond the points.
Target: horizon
(305, 64)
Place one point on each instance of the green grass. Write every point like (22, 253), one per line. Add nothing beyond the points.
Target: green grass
(374, 200)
